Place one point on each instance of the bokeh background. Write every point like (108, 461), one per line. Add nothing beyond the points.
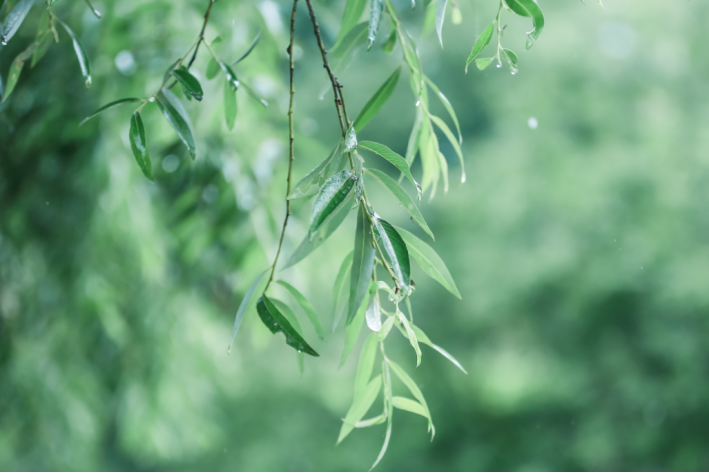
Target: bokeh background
(579, 243)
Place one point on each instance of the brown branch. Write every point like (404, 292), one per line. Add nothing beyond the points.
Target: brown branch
(291, 135)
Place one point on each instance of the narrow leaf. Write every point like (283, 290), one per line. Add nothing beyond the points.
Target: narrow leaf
(375, 16)
(229, 106)
(482, 41)
(406, 201)
(360, 406)
(372, 107)
(311, 242)
(353, 12)
(429, 261)
(189, 82)
(449, 134)
(362, 263)
(276, 322)
(138, 145)
(440, 18)
(244, 304)
(395, 252)
(14, 19)
(307, 308)
(80, 54)
(177, 118)
(332, 194)
(107, 106)
(313, 181)
(421, 337)
(394, 158)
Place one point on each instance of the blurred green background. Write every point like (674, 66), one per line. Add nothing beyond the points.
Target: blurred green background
(579, 246)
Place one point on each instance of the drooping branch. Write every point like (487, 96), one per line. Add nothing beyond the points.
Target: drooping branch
(290, 135)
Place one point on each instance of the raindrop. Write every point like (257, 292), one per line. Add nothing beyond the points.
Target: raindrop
(533, 123)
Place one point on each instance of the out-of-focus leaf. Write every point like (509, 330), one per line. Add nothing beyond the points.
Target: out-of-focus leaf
(372, 107)
(410, 405)
(446, 104)
(248, 50)
(313, 181)
(311, 242)
(482, 41)
(375, 16)
(276, 322)
(332, 194)
(244, 304)
(306, 306)
(429, 261)
(394, 158)
(229, 106)
(353, 12)
(414, 389)
(359, 407)
(177, 118)
(395, 252)
(366, 365)
(529, 8)
(421, 337)
(353, 328)
(482, 63)
(440, 18)
(139, 146)
(406, 201)
(14, 19)
(362, 263)
(109, 105)
(189, 82)
(449, 134)
(80, 54)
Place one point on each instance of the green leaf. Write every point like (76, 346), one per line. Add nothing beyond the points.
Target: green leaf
(276, 322)
(449, 134)
(313, 181)
(311, 242)
(359, 407)
(138, 145)
(366, 365)
(244, 304)
(248, 50)
(446, 103)
(511, 60)
(406, 404)
(189, 83)
(480, 44)
(353, 12)
(440, 18)
(177, 118)
(371, 108)
(332, 194)
(411, 335)
(109, 105)
(406, 201)
(340, 288)
(375, 16)
(340, 52)
(229, 106)
(14, 19)
(414, 389)
(390, 413)
(306, 306)
(393, 158)
(529, 8)
(96, 13)
(80, 54)
(362, 263)
(482, 63)
(421, 337)
(353, 329)
(429, 261)
(394, 248)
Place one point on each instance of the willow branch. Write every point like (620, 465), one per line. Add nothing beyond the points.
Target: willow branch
(291, 134)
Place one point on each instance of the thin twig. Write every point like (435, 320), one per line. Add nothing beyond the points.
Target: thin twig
(291, 135)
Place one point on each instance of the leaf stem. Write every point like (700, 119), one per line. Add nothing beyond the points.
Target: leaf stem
(291, 137)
